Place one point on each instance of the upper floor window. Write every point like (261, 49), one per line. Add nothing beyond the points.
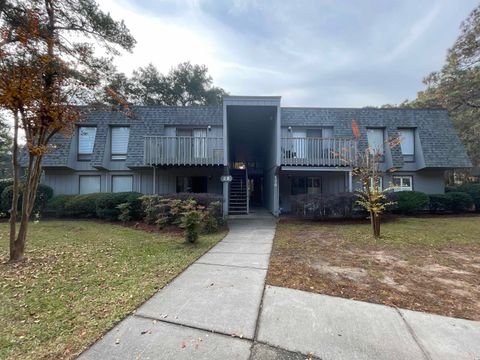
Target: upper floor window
(376, 140)
(407, 142)
(86, 141)
(120, 135)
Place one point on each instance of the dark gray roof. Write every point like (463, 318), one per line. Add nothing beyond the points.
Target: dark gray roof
(440, 143)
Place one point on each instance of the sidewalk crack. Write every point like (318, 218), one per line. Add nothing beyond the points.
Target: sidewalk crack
(414, 335)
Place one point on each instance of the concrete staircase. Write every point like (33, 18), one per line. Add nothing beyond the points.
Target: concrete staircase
(238, 193)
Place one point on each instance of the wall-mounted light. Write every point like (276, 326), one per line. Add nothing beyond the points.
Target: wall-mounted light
(209, 128)
(290, 129)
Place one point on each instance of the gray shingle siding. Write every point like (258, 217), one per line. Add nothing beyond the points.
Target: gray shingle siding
(440, 144)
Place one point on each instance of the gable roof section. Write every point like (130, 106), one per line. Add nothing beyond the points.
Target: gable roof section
(440, 144)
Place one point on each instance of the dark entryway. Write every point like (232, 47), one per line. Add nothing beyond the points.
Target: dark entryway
(255, 183)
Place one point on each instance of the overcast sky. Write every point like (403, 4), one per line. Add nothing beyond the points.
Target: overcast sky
(313, 53)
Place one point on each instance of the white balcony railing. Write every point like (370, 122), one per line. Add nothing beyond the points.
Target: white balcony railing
(318, 151)
(183, 150)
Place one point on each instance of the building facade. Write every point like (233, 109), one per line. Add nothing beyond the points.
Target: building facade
(251, 150)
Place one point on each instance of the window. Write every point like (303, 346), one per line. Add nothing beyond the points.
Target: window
(407, 143)
(402, 183)
(120, 135)
(86, 141)
(122, 183)
(192, 184)
(89, 184)
(380, 183)
(306, 185)
(376, 140)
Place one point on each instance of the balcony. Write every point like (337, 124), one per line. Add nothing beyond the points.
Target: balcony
(182, 150)
(318, 151)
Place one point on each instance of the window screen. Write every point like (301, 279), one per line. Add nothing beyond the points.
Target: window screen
(403, 183)
(407, 141)
(89, 184)
(120, 137)
(122, 183)
(375, 140)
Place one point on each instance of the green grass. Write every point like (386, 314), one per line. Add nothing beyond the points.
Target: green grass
(79, 279)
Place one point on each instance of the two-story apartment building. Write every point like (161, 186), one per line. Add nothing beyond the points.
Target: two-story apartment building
(270, 152)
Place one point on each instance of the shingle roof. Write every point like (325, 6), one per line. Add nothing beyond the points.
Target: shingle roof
(440, 143)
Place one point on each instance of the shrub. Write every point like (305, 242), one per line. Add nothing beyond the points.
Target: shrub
(44, 194)
(56, 205)
(411, 202)
(322, 206)
(203, 199)
(106, 205)
(472, 189)
(459, 201)
(190, 221)
(83, 206)
(439, 203)
(125, 212)
(4, 183)
(212, 218)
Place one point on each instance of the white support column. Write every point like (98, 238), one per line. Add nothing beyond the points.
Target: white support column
(350, 182)
(154, 181)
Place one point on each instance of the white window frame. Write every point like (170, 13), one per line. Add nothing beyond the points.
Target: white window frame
(125, 177)
(83, 155)
(89, 176)
(402, 132)
(380, 185)
(402, 187)
(118, 155)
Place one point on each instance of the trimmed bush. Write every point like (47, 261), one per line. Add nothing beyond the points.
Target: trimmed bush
(44, 194)
(56, 205)
(439, 203)
(472, 189)
(411, 202)
(4, 183)
(83, 206)
(459, 201)
(323, 206)
(106, 205)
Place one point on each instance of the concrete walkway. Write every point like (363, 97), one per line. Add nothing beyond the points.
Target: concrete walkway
(219, 308)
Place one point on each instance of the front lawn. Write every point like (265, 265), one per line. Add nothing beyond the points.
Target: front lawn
(429, 263)
(80, 278)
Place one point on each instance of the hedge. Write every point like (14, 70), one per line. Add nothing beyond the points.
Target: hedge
(459, 201)
(204, 199)
(96, 205)
(410, 202)
(44, 194)
(439, 203)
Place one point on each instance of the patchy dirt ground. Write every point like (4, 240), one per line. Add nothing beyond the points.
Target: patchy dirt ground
(435, 274)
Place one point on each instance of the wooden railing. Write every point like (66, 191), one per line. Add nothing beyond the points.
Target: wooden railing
(183, 150)
(318, 151)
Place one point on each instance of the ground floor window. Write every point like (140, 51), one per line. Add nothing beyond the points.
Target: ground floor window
(402, 183)
(192, 184)
(122, 183)
(306, 185)
(380, 183)
(89, 184)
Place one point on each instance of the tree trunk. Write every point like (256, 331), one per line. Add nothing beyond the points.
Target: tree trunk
(14, 255)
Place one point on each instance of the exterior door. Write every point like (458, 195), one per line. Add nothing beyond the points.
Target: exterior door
(199, 143)
(299, 143)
